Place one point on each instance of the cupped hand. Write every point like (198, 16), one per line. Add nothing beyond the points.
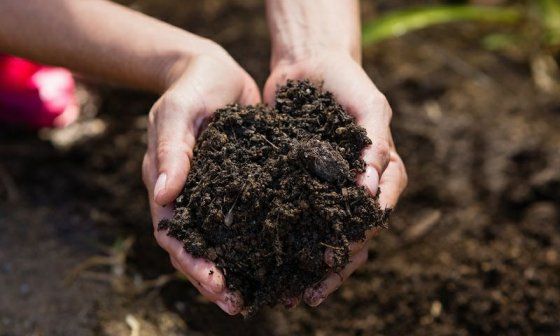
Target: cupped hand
(200, 85)
(345, 78)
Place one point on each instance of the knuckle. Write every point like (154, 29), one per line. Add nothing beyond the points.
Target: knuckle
(171, 101)
(370, 235)
(404, 177)
(382, 148)
(164, 148)
(178, 149)
(174, 263)
(174, 103)
(159, 237)
(379, 102)
(382, 154)
(388, 111)
(153, 111)
(145, 169)
(152, 116)
(362, 257)
(403, 171)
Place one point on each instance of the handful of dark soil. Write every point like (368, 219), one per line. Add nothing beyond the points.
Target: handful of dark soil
(271, 188)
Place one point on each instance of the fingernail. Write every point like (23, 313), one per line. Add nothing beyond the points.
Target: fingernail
(160, 185)
(316, 300)
(329, 257)
(314, 296)
(225, 307)
(231, 303)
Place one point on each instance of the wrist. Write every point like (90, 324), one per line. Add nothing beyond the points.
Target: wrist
(175, 64)
(307, 29)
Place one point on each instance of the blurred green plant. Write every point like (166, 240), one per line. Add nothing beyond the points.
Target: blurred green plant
(399, 22)
(549, 11)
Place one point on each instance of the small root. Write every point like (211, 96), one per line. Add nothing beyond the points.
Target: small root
(270, 143)
(331, 246)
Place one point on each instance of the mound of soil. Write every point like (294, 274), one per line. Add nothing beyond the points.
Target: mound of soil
(271, 188)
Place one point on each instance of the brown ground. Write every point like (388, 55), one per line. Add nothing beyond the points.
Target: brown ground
(473, 246)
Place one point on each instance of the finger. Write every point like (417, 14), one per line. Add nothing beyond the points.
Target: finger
(229, 302)
(290, 303)
(201, 270)
(353, 248)
(393, 182)
(355, 91)
(207, 294)
(250, 94)
(376, 156)
(315, 295)
(271, 85)
(173, 121)
(149, 176)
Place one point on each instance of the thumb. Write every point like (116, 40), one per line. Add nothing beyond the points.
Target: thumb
(172, 138)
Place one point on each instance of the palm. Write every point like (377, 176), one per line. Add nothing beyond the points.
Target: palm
(385, 170)
(175, 120)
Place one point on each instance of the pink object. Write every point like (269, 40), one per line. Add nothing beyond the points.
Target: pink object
(34, 95)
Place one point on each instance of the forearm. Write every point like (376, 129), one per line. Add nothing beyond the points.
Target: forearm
(301, 29)
(98, 38)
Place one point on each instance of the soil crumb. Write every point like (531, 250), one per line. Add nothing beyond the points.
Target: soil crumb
(271, 188)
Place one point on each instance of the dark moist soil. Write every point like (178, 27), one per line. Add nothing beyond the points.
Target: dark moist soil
(271, 188)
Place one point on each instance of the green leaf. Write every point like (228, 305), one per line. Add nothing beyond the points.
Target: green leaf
(400, 22)
(550, 16)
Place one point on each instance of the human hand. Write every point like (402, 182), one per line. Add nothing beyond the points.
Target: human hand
(342, 75)
(199, 85)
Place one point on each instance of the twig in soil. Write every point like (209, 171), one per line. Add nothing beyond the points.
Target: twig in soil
(338, 229)
(228, 219)
(129, 285)
(331, 246)
(270, 143)
(234, 135)
(158, 282)
(345, 194)
(87, 264)
(116, 259)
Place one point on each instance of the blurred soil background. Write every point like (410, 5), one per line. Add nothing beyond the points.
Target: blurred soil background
(473, 247)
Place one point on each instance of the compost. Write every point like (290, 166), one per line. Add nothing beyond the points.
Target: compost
(271, 188)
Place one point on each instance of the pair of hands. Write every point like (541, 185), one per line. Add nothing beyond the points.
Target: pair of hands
(212, 80)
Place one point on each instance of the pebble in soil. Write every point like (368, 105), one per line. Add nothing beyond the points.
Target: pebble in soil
(271, 188)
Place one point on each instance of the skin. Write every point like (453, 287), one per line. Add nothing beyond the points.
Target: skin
(320, 40)
(317, 39)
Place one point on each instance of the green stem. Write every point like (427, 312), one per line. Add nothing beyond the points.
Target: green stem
(401, 22)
